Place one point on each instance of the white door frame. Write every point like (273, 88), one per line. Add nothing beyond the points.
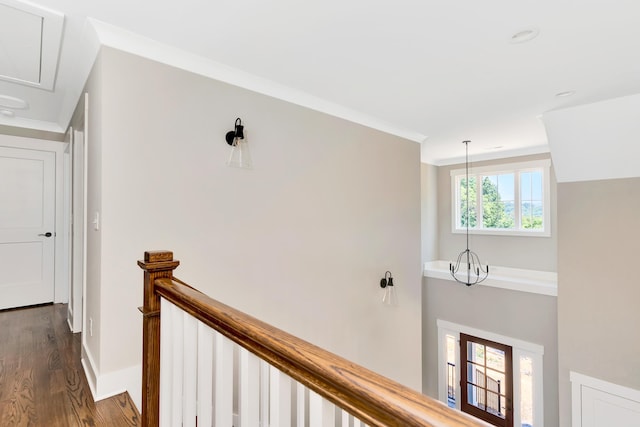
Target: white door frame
(61, 286)
(77, 135)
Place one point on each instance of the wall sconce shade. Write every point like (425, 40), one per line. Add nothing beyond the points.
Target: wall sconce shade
(239, 156)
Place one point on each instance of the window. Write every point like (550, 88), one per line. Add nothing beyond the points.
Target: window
(503, 199)
(500, 379)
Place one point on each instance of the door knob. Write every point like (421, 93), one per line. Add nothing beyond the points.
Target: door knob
(47, 234)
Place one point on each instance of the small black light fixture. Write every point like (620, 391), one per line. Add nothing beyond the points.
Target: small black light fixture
(239, 156)
(389, 297)
(235, 134)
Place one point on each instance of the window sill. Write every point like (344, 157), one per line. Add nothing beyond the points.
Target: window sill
(515, 279)
(503, 232)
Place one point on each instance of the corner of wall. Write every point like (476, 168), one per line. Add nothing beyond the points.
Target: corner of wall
(109, 384)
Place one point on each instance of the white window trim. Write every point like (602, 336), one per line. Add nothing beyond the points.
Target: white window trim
(544, 164)
(519, 348)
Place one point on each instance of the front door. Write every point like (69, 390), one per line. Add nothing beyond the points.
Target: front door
(486, 380)
(27, 234)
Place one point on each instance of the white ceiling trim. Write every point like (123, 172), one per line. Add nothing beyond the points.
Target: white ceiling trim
(52, 27)
(127, 41)
(494, 155)
(19, 122)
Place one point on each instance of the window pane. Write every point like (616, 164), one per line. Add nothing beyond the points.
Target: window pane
(498, 201)
(526, 391)
(462, 197)
(495, 359)
(451, 349)
(495, 404)
(476, 374)
(476, 396)
(525, 186)
(536, 186)
(505, 186)
(531, 208)
(532, 215)
(475, 353)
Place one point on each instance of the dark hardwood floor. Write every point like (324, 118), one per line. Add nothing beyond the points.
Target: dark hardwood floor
(41, 379)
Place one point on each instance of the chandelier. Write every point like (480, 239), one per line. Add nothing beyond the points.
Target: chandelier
(468, 269)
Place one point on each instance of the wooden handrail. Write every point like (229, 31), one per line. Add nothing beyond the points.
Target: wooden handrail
(372, 398)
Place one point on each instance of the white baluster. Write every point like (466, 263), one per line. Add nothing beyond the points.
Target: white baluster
(205, 375)
(264, 393)
(280, 399)
(301, 403)
(190, 374)
(177, 369)
(223, 380)
(249, 404)
(346, 418)
(166, 362)
(321, 411)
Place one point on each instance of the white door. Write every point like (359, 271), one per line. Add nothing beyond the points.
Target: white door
(27, 234)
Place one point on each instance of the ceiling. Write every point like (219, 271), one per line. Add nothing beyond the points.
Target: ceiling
(433, 71)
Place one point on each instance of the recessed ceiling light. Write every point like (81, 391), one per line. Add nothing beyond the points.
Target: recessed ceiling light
(565, 93)
(7, 113)
(524, 36)
(13, 102)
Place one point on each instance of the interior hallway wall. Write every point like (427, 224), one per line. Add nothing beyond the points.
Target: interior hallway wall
(300, 241)
(598, 316)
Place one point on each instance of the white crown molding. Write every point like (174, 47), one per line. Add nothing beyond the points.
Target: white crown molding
(492, 155)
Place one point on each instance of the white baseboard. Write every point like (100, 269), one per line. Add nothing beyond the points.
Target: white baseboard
(110, 384)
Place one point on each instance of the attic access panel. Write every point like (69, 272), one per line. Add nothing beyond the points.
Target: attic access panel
(30, 40)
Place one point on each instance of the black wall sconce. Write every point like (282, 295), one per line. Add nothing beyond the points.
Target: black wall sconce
(237, 132)
(239, 156)
(389, 297)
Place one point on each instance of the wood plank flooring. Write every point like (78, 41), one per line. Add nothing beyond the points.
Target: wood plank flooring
(42, 382)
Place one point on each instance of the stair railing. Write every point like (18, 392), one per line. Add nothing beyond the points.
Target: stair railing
(207, 364)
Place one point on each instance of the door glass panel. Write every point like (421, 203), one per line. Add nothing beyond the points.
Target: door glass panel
(451, 371)
(495, 359)
(475, 353)
(526, 391)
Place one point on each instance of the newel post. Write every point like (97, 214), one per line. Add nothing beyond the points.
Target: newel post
(156, 265)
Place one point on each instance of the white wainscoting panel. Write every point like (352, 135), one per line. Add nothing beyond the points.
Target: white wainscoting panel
(597, 403)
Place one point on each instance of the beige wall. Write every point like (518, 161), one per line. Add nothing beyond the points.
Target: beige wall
(429, 209)
(598, 295)
(534, 253)
(520, 315)
(301, 241)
